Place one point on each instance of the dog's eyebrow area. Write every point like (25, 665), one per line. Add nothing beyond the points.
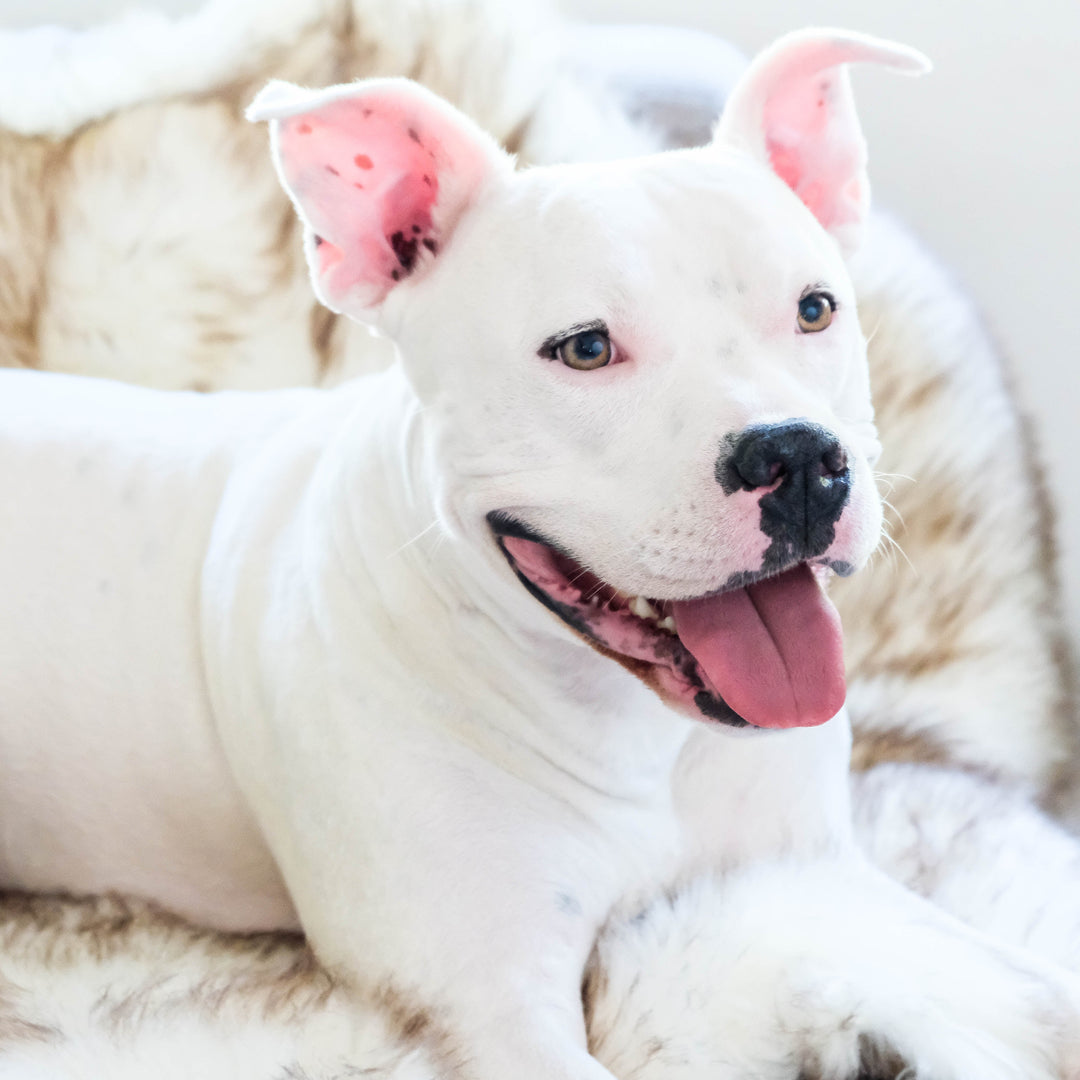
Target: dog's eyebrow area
(550, 344)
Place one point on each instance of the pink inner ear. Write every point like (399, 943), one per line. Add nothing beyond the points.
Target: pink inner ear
(367, 181)
(815, 146)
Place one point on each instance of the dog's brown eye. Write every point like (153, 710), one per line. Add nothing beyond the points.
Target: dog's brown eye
(815, 312)
(586, 351)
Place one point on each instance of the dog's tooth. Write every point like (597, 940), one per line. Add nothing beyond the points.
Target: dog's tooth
(642, 608)
(667, 624)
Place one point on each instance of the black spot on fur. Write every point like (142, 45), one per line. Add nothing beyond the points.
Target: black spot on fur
(568, 904)
(742, 578)
(416, 229)
(430, 244)
(412, 135)
(319, 241)
(395, 274)
(405, 250)
(728, 479)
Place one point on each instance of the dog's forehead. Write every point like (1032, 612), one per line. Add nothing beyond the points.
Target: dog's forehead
(710, 213)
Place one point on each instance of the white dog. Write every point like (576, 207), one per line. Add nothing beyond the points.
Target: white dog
(448, 662)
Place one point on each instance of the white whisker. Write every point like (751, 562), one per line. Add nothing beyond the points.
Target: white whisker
(873, 333)
(896, 548)
(896, 513)
(408, 543)
(895, 476)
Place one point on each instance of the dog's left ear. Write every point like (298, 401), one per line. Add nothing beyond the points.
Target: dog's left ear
(380, 172)
(793, 110)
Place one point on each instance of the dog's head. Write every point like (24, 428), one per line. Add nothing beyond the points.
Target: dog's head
(647, 378)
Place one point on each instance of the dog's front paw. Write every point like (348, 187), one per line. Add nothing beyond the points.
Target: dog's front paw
(828, 972)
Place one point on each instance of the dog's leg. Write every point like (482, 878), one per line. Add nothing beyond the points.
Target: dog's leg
(486, 981)
(978, 849)
(468, 902)
(826, 970)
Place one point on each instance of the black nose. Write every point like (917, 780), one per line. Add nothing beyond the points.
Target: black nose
(809, 467)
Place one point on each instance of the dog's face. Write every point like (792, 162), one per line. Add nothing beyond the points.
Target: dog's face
(647, 378)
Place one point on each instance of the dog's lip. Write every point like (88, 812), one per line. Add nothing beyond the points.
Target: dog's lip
(503, 524)
(672, 672)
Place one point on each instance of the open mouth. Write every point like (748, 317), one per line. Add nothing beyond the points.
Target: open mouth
(766, 654)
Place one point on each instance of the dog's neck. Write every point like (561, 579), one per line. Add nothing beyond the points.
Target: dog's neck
(510, 679)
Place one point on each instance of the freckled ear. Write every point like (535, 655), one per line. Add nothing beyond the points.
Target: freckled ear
(380, 172)
(793, 110)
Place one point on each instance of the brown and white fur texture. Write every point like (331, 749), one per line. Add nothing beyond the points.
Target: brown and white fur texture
(953, 661)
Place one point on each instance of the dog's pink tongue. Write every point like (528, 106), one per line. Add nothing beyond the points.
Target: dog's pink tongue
(773, 650)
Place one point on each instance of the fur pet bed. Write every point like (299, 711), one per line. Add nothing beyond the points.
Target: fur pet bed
(113, 990)
(143, 236)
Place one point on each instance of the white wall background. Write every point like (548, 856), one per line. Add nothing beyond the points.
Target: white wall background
(982, 158)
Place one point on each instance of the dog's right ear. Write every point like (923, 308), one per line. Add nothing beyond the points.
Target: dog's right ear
(380, 172)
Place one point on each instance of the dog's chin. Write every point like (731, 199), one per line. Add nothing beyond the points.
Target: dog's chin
(765, 654)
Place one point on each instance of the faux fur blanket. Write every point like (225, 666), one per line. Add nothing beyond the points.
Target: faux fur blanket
(143, 236)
